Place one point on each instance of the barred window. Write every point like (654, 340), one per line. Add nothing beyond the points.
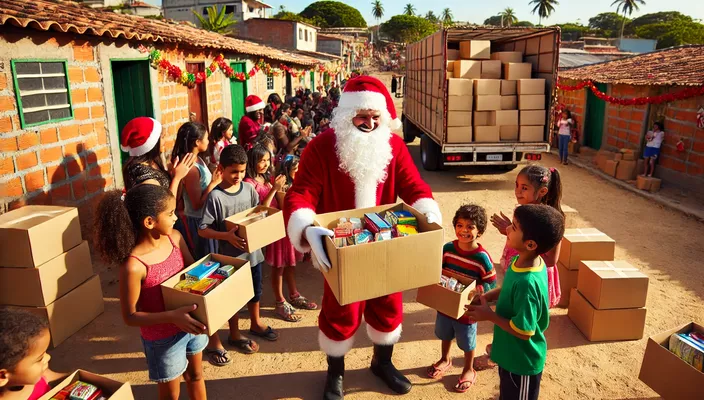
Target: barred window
(42, 90)
(270, 82)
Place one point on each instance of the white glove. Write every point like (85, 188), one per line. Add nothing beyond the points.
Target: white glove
(315, 236)
(432, 218)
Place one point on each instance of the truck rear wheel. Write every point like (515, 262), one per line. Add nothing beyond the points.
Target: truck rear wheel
(409, 131)
(430, 154)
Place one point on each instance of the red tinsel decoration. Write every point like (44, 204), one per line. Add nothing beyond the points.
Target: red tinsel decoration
(683, 94)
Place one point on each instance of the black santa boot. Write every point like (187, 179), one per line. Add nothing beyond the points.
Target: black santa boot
(333, 384)
(384, 369)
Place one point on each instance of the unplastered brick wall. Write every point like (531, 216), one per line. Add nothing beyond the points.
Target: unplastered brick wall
(66, 162)
(575, 101)
(626, 125)
(680, 120)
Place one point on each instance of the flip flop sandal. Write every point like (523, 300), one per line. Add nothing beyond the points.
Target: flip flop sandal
(245, 346)
(286, 312)
(436, 373)
(214, 355)
(268, 334)
(302, 303)
(461, 382)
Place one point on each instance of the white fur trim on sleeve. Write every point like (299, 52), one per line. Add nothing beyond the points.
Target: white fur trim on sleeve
(428, 206)
(384, 338)
(297, 224)
(334, 348)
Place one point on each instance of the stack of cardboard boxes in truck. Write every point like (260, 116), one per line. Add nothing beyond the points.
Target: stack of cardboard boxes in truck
(493, 97)
(45, 267)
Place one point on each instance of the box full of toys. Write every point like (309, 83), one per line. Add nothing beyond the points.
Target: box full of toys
(259, 226)
(450, 295)
(83, 385)
(218, 285)
(381, 250)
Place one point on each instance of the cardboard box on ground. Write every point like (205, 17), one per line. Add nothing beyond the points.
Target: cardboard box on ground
(604, 325)
(612, 284)
(448, 302)
(609, 167)
(74, 310)
(41, 286)
(371, 270)
(667, 374)
(585, 244)
(258, 232)
(112, 390)
(568, 281)
(28, 235)
(216, 307)
(649, 183)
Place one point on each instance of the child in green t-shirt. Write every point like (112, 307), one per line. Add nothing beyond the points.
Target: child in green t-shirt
(522, 315)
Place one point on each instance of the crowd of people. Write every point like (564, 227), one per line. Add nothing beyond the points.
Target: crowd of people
(167, 217)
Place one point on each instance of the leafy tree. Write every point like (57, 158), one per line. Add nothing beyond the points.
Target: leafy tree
(627, 7)
(676, 33)
(407, 28)
(572, 32)
(446, 16)
(659, 17)
(508, 16)
(217, 21)
(430, 16)
(493, 21)
(607, 23)
(544, 8)
(525, 24)
(409, 9)
(334, 14)
(291, 16)
(377, 10)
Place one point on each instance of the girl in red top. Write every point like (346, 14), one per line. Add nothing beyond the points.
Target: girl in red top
(250, 124)
(137, 233)
(24, 362)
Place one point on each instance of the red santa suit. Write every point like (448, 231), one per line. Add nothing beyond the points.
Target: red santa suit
(329, 179)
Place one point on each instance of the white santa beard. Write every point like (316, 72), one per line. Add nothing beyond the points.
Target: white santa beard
(364, 156)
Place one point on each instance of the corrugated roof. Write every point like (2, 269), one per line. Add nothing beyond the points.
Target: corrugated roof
(70, 17)
(682, 65)
(343, 38)
(573, 58)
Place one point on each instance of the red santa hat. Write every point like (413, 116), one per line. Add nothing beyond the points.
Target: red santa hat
(140, 136)
(369, 93)
(253, 103)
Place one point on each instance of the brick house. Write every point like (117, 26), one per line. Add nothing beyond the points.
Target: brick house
(604, 125)
(71, 77)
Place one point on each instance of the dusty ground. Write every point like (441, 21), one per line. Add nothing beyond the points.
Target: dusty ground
(666, 245)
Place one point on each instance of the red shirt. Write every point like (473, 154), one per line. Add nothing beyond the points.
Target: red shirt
(248, 132)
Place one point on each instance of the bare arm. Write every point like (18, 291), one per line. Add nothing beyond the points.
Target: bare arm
(552, 256)
(132, 272)
(191, 183)
(181, 244)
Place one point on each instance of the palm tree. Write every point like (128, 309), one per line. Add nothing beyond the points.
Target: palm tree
(446, 16)
(544, 8)
(282, 8)
(430, 16)
(377, 10)
(217, 21)
(409, 9)
(627, 6)
(508, 16)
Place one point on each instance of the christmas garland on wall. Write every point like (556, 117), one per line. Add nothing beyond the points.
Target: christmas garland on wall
(190, 79)
(683, 94)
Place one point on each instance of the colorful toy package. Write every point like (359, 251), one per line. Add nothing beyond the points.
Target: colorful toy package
(689, 347)
(79, 390)
(202, 271)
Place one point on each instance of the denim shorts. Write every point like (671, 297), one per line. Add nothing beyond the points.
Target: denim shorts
(447, 328)
(166, 358)
(257, 283)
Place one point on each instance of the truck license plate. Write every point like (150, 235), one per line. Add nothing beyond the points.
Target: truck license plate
(494, 157)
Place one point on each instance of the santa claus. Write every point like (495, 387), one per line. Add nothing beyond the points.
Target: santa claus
(357, 163)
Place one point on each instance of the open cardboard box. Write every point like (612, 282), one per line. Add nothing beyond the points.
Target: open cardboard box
(448, 301)
(220, 304)
(41, 286)
(33, 235)
(112, 390)
(258, 232)
(371, 270)
(667, 374)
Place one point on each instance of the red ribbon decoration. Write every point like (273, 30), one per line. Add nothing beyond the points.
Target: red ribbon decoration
(683, 94)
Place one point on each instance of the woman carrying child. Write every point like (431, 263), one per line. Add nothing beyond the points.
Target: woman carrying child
(280, 255)
(137, 233)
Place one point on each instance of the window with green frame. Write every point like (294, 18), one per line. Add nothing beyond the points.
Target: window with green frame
(42, 91)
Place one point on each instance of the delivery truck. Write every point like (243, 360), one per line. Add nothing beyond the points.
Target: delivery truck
(481, 96)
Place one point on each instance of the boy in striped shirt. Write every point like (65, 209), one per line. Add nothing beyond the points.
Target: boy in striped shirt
(464, 257)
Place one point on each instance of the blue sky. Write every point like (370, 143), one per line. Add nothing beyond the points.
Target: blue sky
(478, 10)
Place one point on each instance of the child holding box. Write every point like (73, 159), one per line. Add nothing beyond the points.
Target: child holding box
(464, 257)
(232, 196)
(522, 307)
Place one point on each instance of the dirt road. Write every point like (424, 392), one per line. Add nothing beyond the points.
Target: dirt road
(666, 245)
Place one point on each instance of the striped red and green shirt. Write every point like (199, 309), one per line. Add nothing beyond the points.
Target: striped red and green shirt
(475, 264)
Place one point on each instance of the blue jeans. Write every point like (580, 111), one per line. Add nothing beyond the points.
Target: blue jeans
(564, 146)
(256, 283)
(166, 358)
(447, 328)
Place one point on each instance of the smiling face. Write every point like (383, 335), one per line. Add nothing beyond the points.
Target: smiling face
(264, 163)
(526, 193)
(366, 120)
(466, 231)
(228, 133)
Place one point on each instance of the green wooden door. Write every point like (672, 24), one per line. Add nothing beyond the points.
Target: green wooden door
(312, 81)
(132, 92)
(238, 92)
(594, 119)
